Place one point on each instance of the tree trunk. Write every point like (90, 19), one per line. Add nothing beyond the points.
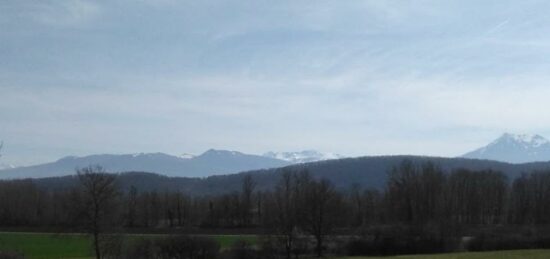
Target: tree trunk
(288, 247)
(319, 247)
(96, 230)
(96, 245)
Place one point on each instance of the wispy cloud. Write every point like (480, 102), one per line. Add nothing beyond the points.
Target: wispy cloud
(353, 77)
(65, 13)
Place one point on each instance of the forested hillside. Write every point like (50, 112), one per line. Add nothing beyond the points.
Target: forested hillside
(367, 172)
(421, 208)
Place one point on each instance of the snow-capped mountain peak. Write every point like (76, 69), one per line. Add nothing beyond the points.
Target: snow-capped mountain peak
(526, 140)
(514, 148)
(302, 156)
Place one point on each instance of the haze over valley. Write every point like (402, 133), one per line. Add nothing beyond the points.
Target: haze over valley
(508, 148)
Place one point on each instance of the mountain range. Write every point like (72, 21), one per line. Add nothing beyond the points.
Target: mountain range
(514, 148)
(508, 148)
(366, 172)
(211, 162)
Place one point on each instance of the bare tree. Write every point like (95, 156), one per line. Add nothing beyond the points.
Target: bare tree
(248, 186)
(319, 211)
(285, 211)
(131, 207)
(98, 197)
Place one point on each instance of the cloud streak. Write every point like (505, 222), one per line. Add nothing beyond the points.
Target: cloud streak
(357, 78)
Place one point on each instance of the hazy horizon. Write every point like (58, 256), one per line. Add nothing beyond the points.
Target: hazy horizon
(355, 78)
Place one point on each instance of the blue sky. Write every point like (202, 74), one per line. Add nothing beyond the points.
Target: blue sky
(352, 77)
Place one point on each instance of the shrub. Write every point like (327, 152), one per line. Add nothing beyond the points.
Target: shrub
(180, 247)
(111, 245)
(399, 240)
(186, 247)
(141, 249)
(10, 255)
(241, 249)
(490, 242)
(269, 249)
(274, 247)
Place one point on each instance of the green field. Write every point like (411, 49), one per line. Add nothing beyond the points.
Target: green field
(46, 246)
(49, 246)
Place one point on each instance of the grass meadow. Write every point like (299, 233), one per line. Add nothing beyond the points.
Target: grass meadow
(50, 246)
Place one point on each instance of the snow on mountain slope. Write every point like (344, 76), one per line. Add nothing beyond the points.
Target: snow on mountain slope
(187, 156)
(6, 166)
(514, 148)
(303, 156)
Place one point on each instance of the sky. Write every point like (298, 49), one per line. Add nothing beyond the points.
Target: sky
(381, 77)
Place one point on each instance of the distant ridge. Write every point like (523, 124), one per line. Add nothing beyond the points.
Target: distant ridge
(367, 172)
(514, 148)
(211, 162)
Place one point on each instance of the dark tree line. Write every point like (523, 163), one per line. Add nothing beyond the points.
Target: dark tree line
(425, 194)
(300, 214)
(301, 205)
